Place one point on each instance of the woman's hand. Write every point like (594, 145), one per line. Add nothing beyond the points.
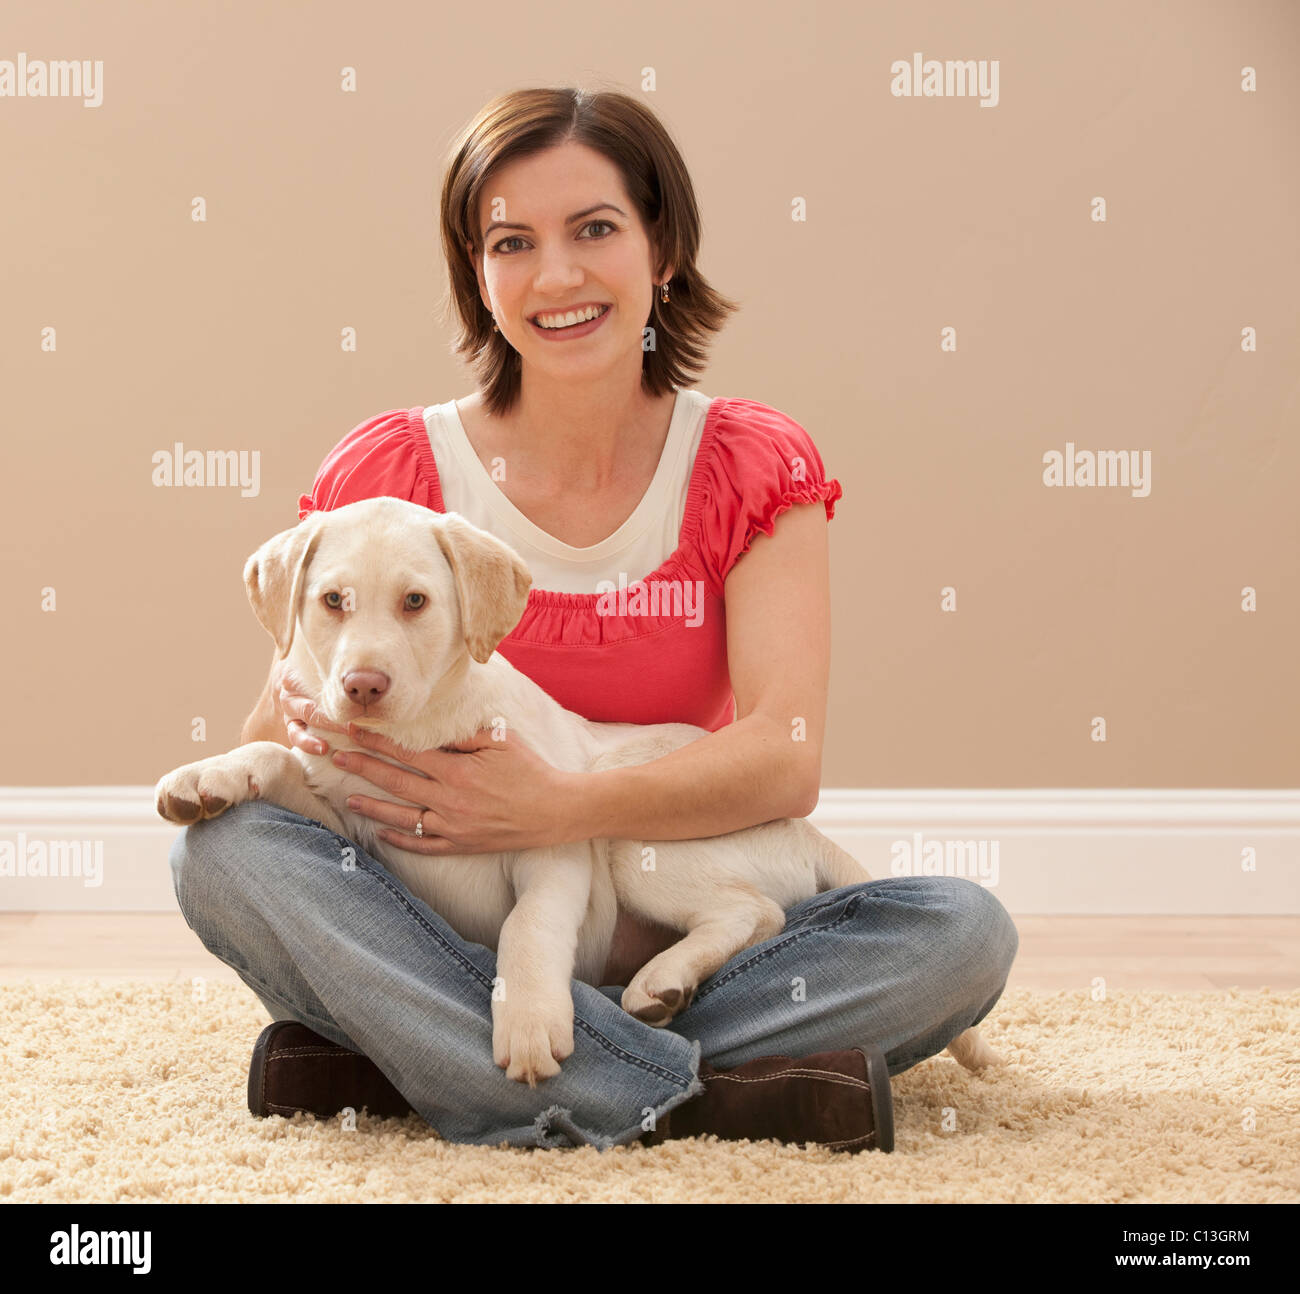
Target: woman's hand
(298, 710)
(485, 795)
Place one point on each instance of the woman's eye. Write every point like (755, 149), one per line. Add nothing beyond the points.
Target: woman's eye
(333, 600)
(414, 601)
(517, 238)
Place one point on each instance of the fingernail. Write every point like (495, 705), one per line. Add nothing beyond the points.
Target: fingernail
(353, 802)
(340, 758)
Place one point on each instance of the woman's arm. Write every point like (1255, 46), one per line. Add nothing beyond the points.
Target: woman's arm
(766, 764)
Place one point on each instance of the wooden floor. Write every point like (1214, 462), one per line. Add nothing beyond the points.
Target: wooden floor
(1055, 952)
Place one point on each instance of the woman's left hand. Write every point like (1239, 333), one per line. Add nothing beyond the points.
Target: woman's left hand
(482, 796)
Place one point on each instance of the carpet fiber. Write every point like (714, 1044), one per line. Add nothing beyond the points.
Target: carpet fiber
(134, 1092)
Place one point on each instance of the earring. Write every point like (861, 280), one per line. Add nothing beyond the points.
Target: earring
(494, 324)
(663, 291)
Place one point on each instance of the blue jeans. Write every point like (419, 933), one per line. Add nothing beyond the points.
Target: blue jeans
(906, 963)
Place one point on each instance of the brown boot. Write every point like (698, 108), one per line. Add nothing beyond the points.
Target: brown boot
(295, 1069)
(837, 1099)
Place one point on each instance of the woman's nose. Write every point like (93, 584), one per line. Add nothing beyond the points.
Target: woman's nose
(558, 271)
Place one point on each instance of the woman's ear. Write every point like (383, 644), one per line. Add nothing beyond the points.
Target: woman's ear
(275, 577)
(492, 582)
(666, 269)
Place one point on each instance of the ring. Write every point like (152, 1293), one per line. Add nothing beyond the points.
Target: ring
(419, 823)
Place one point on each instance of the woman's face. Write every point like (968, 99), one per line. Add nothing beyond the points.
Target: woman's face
(558, 234)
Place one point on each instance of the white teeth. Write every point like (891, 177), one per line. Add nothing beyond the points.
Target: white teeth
(568, 320)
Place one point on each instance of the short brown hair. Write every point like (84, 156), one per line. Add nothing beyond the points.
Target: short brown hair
(523, 122)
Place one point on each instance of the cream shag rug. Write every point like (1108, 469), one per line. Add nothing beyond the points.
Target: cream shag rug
(134, 1092)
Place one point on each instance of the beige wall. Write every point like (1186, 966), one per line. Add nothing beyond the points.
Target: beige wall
(922, 214)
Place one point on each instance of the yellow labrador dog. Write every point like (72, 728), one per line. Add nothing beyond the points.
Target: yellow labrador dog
(390, 614)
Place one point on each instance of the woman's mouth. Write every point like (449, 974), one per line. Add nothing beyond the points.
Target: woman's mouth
(563, 325)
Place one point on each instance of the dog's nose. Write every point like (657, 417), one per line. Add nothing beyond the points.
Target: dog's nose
(365, 686)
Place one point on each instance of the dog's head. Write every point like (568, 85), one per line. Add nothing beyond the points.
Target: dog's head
(377, 600)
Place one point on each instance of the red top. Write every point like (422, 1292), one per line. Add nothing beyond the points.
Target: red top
(657, 658)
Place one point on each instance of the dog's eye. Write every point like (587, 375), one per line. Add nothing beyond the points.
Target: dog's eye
(333, 600)
(414, 601)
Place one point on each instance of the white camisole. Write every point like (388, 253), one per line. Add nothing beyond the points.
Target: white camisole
(637, 547)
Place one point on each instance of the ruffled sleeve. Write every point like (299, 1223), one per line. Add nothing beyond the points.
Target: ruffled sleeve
(386, 455)
(760, 462)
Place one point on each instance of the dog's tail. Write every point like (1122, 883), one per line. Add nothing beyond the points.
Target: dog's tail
(835, 866)
(971, 1050)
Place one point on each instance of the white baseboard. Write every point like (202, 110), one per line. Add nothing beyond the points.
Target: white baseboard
(1096, 852)
(1087, 852)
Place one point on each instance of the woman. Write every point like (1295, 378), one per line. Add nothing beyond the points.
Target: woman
(571, 231)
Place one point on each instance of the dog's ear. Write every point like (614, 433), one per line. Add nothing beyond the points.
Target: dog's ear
(492, 582)
(275, 576)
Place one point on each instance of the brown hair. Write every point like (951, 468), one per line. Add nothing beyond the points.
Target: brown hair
(523, 122)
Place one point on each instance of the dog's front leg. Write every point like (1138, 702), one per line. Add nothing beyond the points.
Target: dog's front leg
(532, 1001)
(260, 770)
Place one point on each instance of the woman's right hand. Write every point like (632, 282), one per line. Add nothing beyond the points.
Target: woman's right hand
(298, 709)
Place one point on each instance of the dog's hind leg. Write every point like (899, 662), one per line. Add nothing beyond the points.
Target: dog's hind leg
(736, 917)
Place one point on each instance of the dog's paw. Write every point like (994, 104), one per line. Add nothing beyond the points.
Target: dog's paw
(655, 998)
(530, 1041)
(203, 789)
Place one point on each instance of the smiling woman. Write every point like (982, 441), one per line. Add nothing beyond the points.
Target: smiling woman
(571, 233)
(516, 245)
